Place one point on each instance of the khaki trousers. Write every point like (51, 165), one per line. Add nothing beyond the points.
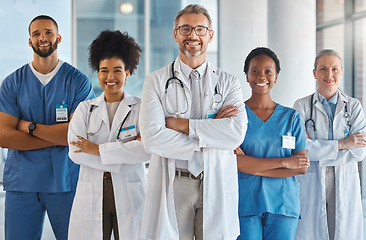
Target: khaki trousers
(188, 200)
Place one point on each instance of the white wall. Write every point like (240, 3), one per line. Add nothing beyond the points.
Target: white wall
(286, 26)
(242, 27)
(292, 35)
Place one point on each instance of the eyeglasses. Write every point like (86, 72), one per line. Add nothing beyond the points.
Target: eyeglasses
(186, 30)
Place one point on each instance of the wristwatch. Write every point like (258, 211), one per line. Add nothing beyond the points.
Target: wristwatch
(31, 128)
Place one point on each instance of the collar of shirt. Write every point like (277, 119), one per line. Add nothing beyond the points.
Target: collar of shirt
(333, 100)
(46, 78)
(329, 107)
(186, 70)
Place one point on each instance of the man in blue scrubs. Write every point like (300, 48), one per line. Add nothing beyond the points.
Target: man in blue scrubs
(37, 102)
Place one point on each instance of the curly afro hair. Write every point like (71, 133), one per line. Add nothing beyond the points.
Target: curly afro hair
(111, 44)
(262, 51)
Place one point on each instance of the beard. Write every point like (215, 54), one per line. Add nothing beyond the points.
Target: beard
(186, 52)
(52, 48)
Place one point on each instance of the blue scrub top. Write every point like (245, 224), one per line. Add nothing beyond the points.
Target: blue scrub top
(264, 140)
(22, 95)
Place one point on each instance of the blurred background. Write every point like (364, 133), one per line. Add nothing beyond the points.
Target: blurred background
(295, 29)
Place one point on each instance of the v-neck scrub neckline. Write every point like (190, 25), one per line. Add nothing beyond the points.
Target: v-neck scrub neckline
(259, 194)
(272, 115)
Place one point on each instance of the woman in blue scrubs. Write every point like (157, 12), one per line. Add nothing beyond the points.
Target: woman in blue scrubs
(272, 154)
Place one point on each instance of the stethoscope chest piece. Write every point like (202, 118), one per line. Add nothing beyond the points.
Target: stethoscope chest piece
(217, 98)
(346, 115)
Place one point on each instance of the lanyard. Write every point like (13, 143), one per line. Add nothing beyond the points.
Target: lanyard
(123, 122)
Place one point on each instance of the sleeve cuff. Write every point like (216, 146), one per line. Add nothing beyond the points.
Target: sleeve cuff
(192, 129)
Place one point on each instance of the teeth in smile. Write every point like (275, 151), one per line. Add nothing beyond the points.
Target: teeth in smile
(111, 84)
(262, 84)
(193, 43)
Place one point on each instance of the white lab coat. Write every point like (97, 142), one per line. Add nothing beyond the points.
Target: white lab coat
(214, 139)
(123, 159)
(322, 153)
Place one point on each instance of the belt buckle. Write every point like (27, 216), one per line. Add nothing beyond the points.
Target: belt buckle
(179, 173)
(192, 177)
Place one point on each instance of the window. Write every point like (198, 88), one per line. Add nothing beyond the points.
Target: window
(328, 10)
(150, 22)
(331, 37)
(341, 25)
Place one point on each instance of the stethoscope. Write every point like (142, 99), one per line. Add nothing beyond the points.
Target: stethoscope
(346, 115)
(217, 96)
(95, 133)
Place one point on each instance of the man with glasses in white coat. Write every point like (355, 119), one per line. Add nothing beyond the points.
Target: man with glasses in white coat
(192, 118)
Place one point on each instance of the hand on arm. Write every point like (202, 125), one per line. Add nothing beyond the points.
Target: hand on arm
(182, 124)
(274, 167)
(354, 141)
(227, 112)
(56, 133)
(12, 138)
(296, 161)
(178, 124)
(138, 137)
(85, 146)
(238, 151)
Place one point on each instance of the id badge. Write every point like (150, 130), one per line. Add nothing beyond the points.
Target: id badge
(61, 113)
(288, 141)
(128, 132)
(346, 132)
(212, 114)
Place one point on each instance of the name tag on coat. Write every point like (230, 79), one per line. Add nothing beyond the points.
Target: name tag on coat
(127, 132)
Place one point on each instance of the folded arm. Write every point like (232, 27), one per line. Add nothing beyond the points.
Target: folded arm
(56, 133)
(274, 167)
(338, 152)
(330, 152)
(123, 153)
(82, 151)
(229, 131)
(156, 137)
(12, 138)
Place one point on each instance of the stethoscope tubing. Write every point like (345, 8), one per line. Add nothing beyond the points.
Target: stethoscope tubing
(95, 133)
(217, 96)
(347, 116)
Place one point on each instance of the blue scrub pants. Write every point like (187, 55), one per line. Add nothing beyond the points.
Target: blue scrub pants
(267, 226)
(25, 211)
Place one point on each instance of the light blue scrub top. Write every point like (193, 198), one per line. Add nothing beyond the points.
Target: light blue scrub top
(22, 95)
(264, 140)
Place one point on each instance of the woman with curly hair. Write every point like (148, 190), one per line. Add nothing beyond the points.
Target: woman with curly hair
(104, 139)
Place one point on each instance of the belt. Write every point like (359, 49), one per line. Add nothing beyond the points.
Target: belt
(107, 175)
(180, 173)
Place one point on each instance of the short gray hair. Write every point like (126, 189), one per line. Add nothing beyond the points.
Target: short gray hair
(326, 52)
(192, 8)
